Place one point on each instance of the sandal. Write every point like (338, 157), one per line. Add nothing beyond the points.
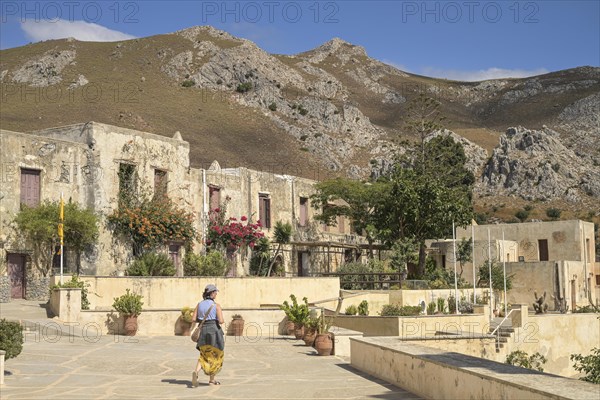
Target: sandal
(214, 382)
(194, 379)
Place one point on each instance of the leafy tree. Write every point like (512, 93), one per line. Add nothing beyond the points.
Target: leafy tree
(403, 252)
(590, 365)
(282, 234)
(39, 225)
(497, 278)
(464, 253)
(361, 202)
(422, 207)
(423, 116)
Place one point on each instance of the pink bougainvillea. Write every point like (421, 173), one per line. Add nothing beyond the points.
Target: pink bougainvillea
(227, 233)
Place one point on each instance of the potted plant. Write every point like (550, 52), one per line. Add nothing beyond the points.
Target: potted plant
(186, 320)
(310, 331)
(323, 340)
(297, 314)
(130, 306)
(237, 325)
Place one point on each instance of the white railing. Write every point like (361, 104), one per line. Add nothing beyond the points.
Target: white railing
(497, 330)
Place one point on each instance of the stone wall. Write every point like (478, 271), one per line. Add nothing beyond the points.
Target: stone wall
(37, 287)
(4, 289)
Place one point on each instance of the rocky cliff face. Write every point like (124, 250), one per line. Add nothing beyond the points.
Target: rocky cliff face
(536, 165)
(334, 103)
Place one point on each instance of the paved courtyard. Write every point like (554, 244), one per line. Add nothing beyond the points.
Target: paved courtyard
(116, 367)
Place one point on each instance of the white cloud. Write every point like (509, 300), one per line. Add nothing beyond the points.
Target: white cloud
(80, 30)
(470, 76)
(481, 75)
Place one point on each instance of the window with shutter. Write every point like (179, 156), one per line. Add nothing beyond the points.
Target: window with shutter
(30, 187)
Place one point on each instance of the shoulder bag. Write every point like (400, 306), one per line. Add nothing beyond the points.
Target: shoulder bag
(196, 334)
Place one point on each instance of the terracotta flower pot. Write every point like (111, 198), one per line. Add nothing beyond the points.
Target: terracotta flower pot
(323, 344)
(289, 328)
(237, 327)
(186, 328)
(299, 331)
(309, 336)
(131, 325)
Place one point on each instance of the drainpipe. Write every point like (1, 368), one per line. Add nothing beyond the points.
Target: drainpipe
(585, 274)
(204, 211)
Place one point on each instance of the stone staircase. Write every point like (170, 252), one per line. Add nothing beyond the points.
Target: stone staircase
(504, 332)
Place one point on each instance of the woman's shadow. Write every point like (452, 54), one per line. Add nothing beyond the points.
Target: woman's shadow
(185, 382)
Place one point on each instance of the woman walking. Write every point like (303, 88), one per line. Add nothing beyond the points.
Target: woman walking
(211, 342)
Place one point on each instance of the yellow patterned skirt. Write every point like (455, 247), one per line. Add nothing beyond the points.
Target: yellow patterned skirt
(211, 359)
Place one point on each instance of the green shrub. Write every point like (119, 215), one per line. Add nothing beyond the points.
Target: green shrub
(441, 304)
(211, 264)
(522, 215)
(273, 106)
(349, 282)
(391, 310)
(351, 310)
(590, 365)
(76, 283)
(522, 359)
(431, 308)
(553, 213)
(244, 87)
(152, 264)
(11, 338)
(452, 304)
(465, 306)
(586, 309)
(261, 254)
(129, 303)
(188, 83)
(363, 308)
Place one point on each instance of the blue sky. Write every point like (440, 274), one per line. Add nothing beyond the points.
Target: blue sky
(468, 40)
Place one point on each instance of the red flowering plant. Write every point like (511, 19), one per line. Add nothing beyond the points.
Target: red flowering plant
(226, 233)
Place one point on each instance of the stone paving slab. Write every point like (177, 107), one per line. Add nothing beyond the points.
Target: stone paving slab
(116, 367)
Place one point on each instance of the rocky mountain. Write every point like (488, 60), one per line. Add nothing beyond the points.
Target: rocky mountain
(331, 110)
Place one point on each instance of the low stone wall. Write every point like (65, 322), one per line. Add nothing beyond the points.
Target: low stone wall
(37, 288)
(422, 326)
(166, 322)
(439, 374)
(4, 289)
(175, 293)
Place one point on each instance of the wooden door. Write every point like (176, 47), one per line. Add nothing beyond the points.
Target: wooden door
(16, 272)
(543, 246)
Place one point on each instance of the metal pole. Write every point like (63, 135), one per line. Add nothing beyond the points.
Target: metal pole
(490, 272)
(61, 237)
(455, 278)
(504, 266)
(473, 249)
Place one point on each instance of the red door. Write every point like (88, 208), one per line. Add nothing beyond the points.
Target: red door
(16, 271)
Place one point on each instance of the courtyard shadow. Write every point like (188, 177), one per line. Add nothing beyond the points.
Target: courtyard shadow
(465, 361)
(395, 392)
